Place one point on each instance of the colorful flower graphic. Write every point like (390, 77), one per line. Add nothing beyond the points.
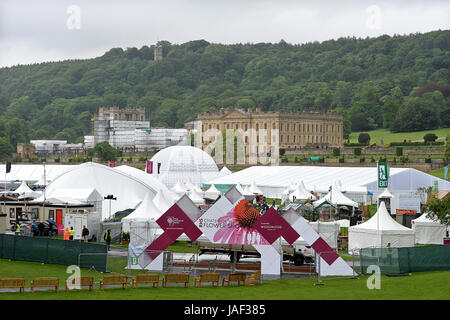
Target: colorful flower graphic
(238, 226)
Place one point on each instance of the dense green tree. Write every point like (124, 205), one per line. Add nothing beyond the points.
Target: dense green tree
(399, 82)
(6, 149)
(104, 151)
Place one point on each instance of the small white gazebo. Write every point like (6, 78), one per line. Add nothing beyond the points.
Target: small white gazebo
(378, 231)
(428, 230)
(212, 193)
(254, 189)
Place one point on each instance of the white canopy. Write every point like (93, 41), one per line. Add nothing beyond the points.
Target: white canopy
(212, 193)
(385, 195)
(300, 193)
(163, 201)
(254, 189)
(428, 230)
(247, 191)
(190, 186)
(224, 171)
(128, 190)
(336, 197)
(146, 211)
(273, 180)
(378, 231)
(24, 191)
(196, 197)
(180, 188)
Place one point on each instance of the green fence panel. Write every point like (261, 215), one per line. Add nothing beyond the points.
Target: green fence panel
(63, 252)
(429, 258)
(55, 251)
(93, 256)
(31, 249)
(8, 245)
(406, 260)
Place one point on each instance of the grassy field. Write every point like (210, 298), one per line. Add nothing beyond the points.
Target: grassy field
(425, 285)
(388, 136)
(439, 173)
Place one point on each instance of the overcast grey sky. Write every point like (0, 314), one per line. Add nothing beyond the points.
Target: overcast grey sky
(51, 30)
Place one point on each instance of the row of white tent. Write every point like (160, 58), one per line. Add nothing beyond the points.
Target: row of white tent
(381, 230)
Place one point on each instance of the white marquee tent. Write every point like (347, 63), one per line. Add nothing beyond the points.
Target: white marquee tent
(428, 230)
(33, 172)
(196, 197)
(128, 190)
(145, 212)
(355, 181)
(24, 191)
(180, 188)
(253, 188)
(163, 201)
(378, 231)
(212, 193)
(336, 198)
(300, 193)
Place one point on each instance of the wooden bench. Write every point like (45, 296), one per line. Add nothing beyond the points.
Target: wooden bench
(13, 283)
(152, 278)
(114, 279)
(214, 278)
(84, 282)
(254, 279)
(176, 278)
(44, 283)
(234, 277)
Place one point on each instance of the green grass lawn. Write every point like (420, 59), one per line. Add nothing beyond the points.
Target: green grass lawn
(387, 136)
(424, 285)
(439, 173)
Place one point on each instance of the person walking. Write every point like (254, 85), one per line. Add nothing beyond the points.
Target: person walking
(72, 233)
(85, 234)
(34, 228)
(41, 228)
(50, 229)
(66, 234)
(17, 228)
(107, 238)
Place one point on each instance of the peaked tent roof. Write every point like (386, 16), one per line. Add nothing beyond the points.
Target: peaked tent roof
(382, 221)
(225, 171)
(336, 197)
(179, 188)
(162, 201)
(301, 193)
(254, 188)
(196, 197)
(425, 220)
(147, 210)
(23, 188)
(385, 195)
(212, 193)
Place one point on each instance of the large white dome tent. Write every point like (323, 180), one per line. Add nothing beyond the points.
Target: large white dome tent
(184, 163)
(128, 190)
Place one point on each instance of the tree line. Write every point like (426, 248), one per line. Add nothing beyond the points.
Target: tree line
(399, 82)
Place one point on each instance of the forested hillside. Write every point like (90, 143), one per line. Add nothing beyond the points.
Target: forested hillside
(399, 82)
